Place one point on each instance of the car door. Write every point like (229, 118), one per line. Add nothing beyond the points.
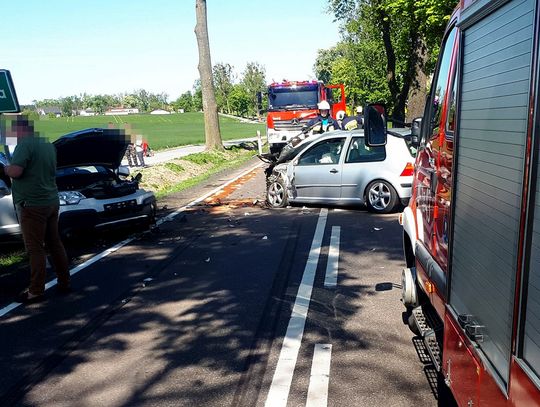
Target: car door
(360, 164)
(317, 172)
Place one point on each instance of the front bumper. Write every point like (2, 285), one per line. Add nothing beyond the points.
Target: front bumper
(92, 214)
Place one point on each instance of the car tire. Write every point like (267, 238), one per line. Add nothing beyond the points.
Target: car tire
(381, 197)
(276, 192)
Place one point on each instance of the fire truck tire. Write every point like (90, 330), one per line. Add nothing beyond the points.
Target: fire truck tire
(276, 192)
(381, 197)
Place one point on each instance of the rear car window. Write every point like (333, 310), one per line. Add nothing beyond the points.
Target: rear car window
(360, 153)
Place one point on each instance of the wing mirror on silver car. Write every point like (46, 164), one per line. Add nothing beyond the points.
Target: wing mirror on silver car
(375, 125)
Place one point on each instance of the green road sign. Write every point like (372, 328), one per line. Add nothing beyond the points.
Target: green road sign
(8, 97)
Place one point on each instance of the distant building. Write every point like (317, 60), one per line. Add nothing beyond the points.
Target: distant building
(55, 110)
(119, 111)
(159, 111)
(87, 112)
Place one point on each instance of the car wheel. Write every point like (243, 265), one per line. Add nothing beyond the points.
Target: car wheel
(381, 197)
(276, 193)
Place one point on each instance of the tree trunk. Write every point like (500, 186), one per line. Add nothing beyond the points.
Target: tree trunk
(211, 118)
(417, 94)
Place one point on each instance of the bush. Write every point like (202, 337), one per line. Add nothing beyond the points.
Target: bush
(213, 157)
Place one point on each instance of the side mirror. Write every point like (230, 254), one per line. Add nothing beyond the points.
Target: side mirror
(375, 125)
(137, 177)
(123, 171)
(415, 131)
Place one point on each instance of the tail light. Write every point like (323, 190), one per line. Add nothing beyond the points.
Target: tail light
(408, 170)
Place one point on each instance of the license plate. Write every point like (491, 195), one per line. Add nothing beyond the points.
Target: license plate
(120, 205)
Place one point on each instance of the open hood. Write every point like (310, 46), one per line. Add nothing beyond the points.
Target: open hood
(95, 146)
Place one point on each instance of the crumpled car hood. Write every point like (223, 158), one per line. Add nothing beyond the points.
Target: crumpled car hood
(94, 146)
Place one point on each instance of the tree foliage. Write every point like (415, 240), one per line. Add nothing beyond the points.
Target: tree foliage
(385, 44)
(253, 81)
(223, 83)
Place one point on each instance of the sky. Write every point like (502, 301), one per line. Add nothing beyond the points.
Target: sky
(59, 48)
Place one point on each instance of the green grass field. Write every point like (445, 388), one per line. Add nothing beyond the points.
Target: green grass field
(161, 131)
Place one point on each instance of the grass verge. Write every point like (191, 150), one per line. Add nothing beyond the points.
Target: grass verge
(182, 173)
(11, 259)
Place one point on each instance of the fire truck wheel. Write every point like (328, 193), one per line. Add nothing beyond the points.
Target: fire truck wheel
(381, 197)
(276, 193)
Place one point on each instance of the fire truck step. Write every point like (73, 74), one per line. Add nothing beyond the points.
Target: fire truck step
(434, 350)
(426, 320)
(429, 324)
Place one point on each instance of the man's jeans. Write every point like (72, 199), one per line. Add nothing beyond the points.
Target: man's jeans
(39, 226)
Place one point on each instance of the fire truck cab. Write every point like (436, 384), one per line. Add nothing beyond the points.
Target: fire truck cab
(292, 104)
(471, 232)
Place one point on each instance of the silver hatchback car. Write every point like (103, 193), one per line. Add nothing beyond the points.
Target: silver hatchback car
(338, 168)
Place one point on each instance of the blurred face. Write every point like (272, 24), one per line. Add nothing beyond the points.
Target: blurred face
(324, 112)
(21, 129)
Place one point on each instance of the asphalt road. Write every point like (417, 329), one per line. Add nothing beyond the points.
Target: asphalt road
(200, 313)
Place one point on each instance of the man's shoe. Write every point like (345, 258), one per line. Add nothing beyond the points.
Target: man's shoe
(26, 297)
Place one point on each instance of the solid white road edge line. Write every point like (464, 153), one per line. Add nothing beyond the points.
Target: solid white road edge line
(320, 376)
(281, 383)
(330, 280)
(8, 308)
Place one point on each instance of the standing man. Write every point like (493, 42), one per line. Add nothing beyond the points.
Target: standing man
(35, 194)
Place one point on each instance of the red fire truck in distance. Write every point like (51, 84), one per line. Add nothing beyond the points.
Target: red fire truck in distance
(472, 228)
(291, 104)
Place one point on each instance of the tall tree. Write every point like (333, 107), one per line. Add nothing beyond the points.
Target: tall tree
(211, 119)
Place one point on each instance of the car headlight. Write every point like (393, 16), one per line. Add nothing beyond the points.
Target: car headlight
(70, 197)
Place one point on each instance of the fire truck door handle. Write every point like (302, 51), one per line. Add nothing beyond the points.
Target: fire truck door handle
(475, 332)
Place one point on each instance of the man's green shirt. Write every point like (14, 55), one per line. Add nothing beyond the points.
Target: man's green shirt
(37, 184)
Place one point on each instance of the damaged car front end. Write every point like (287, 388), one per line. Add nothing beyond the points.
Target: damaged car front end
(94, 190)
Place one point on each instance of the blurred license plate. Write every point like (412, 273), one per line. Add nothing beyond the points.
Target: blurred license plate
(121, 205)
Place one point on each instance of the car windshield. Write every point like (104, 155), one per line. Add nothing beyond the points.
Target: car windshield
(301, 97)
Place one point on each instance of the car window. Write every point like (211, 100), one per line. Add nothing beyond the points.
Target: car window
(360, 153)
(324, 152)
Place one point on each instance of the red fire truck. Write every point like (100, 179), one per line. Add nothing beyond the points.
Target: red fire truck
(291, 104)
(472, 228)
